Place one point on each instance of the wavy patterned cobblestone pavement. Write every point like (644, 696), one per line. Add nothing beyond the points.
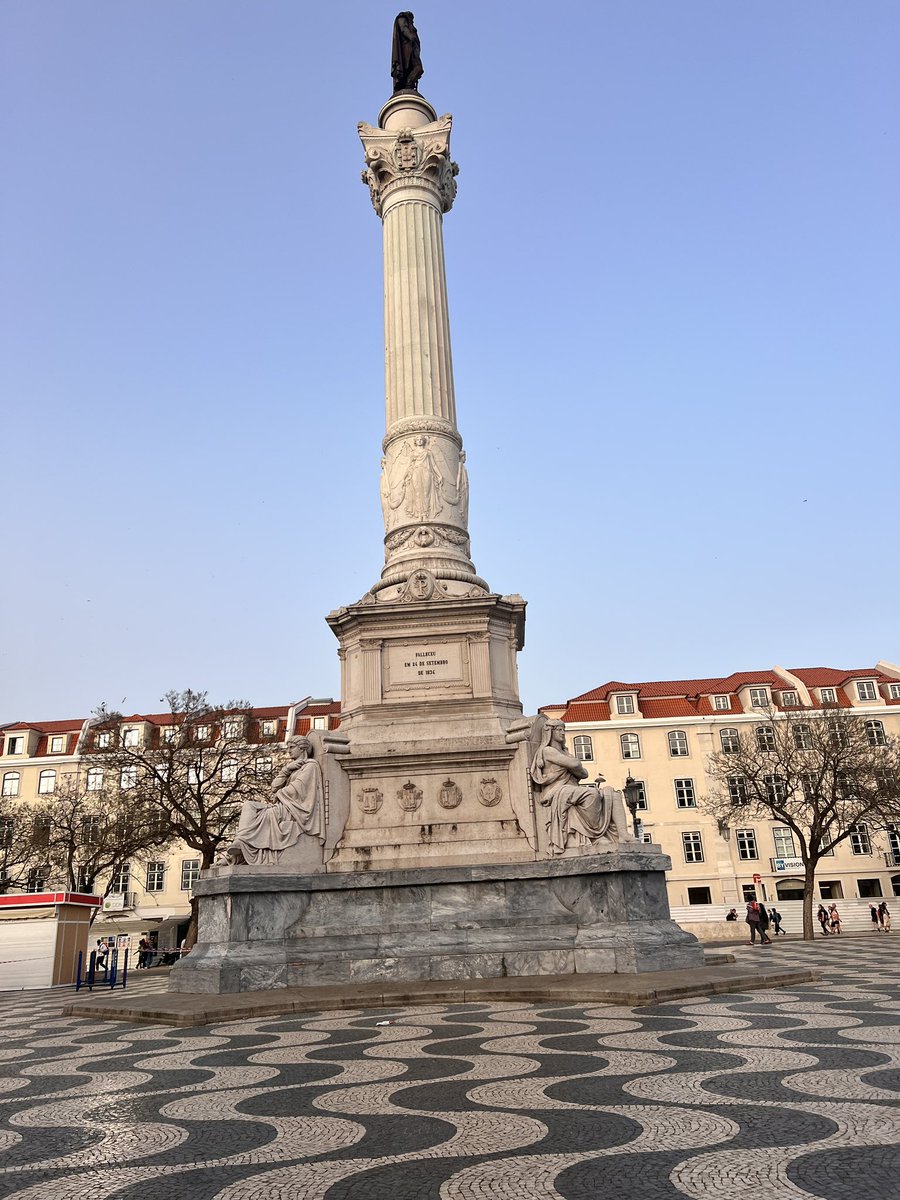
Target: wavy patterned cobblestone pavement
(788, 1093)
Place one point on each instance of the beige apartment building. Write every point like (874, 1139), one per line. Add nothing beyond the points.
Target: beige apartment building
(662, 733)
(151, 895)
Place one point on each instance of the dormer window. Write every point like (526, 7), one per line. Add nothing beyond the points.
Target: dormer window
(57, 745)
(232, 728)
(169, 734)
(759, 697)
(131, 738)
(894, 691)
(865, 690)
(201, 733)
(790, 699)
(103, 739)
(267, 728)
(15, 745)
(827, 695)
(722, 703)
(624, 705)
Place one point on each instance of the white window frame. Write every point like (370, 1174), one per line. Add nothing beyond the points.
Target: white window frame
(131, 738)
(58, 744)
(860, 842)
(262, 766)
(722, 703)
(747, 847)
(776, 788)
(641, 805)
(103, 739)
(894, 691)
(128, 778)
(802, 736)
(765, 738)
(692, 846)
(202, 733)
(319, 723)
(169, 734)
(828, 695)
(685, 793)
(12, 781)
(190, 873)
(783, 835)
(875, 733)
(15, 745)
(46, 782)
(583, 747)
(866, 690)
(155, 880)
(625, 706)
(737, 789)
(729, 740)
(678, 744)
(121, 880)
(232, 728)
(790, 699)
(94, 779)
(759, 697)
(268, 728)
(229, 770)
(630, 749)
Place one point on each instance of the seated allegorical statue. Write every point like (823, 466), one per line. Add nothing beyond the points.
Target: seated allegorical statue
(580, 815)
(293, 809)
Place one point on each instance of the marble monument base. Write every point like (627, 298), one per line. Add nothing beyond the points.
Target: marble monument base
(605, 912)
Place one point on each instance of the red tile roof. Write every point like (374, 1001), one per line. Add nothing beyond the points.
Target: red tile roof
(73, 726)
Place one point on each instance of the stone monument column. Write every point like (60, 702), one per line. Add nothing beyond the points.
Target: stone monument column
(424, 481)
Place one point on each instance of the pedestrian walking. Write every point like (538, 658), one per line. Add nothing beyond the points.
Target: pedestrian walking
(758, 920)
(145, 953)
(822, 918)
(834, 918)
(873, 913)
(775, 918)
(884, 916)
(101, 953)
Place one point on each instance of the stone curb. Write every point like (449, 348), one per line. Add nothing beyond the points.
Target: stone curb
(181, 1010)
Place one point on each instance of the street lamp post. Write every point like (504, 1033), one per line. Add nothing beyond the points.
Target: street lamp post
(632, 792)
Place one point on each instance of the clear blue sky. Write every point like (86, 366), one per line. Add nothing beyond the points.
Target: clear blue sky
(673, 272)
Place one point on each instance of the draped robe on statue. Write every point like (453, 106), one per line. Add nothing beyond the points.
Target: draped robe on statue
(579, 815)
(267, 827)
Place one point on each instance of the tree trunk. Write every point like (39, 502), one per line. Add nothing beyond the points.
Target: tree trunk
(809, 887)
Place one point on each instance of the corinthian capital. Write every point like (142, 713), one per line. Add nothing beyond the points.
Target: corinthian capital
(418, 157)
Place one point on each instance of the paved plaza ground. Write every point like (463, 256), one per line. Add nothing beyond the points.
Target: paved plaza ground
(785, 1093)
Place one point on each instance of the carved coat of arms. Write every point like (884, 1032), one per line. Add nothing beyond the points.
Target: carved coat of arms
(490, 792)
(450, 795)
(410, 796)
(370, 799)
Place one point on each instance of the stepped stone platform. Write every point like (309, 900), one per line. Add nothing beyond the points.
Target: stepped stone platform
(182, 1009)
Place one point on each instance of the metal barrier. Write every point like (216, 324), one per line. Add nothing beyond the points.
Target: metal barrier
(111, 972)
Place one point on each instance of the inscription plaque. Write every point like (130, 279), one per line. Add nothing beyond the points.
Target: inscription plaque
(425, 662)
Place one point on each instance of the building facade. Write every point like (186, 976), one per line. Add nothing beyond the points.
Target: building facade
(662, 733)
(151, 895)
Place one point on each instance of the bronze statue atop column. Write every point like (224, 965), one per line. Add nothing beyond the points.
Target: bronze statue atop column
(406, 61)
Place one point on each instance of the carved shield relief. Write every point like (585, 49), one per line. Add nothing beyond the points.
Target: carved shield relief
(410, 796)
(450, 795)
(489, 792)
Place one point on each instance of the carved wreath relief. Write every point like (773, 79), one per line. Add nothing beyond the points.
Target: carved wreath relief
(410, 796)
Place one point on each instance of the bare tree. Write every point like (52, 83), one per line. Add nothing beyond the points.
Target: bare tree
(193, 771)
(23, 858)
(824, 773)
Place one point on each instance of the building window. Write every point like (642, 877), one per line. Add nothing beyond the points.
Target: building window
(201, 733)
(195, 774)
(57, 745)
(262, 767)
(11, 783)
(893, 843)
(102, 740)
(730, 741)
(631, 745)
(584, 748)
(827, 695)
(91, 831)
(319, 723)
(641, 804)
(722, 703)
(859, 839)
(737, 789)
(41, 830)
(37, 880)
(894, 691)
(699, 895)
(128, 778)
(121, 879)
(838, 733)
(765, 737)
(784, 841)
(46, 783)
(95, 779)
(231, 729)
(692, 844)
(7, 828)
(15, 745)
(156, 877)
(809, 782)
(790, 699)
(803, 739)
(229, 770)
(759, 697)
(746, 844)
(865, 690)
(190, 872)
(875, 733)
(678, 744)
(131, 738)
(775, 789)
(267, 728)
(684, 793)
(169, 734)
(624, 705)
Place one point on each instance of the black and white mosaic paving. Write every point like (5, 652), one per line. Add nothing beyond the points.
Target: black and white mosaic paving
(786, 1093)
